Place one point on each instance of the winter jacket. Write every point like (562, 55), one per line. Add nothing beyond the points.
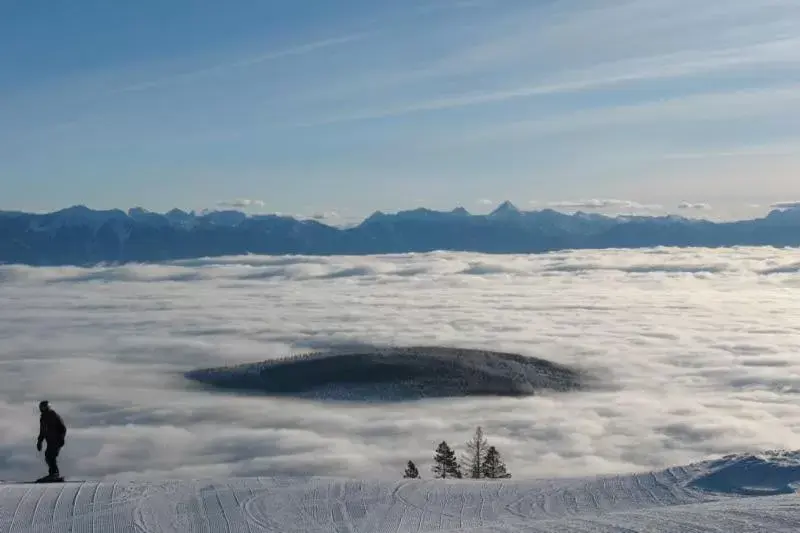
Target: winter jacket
(52, 428)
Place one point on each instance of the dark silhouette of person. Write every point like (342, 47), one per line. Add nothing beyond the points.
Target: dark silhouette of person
(53, 431)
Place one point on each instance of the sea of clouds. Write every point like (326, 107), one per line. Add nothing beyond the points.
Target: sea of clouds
(698, 350)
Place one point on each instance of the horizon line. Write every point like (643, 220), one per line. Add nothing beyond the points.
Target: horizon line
(580, 209)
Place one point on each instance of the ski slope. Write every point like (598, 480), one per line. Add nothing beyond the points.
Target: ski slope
(714, 496)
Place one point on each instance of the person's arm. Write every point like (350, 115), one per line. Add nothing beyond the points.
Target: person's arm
(40, 438)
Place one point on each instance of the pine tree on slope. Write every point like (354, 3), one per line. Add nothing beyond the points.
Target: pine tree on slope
(493, 466)
(445, 462)
(411, 471)
(475, 456)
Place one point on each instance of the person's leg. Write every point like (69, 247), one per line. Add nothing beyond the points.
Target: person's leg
(50, 456)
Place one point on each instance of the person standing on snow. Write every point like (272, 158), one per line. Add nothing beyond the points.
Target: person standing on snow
(52, 430)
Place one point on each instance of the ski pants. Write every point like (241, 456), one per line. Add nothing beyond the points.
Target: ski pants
(50, 456)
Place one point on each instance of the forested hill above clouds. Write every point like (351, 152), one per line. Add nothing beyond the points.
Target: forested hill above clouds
(82, 236)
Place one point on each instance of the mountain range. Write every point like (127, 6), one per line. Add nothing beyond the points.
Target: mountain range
(82, 236)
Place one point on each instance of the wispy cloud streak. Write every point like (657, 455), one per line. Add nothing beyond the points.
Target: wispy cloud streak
(245, 62)
(654, 68)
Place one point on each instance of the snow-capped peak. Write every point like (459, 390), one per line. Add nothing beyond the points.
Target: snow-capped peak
(505, 209)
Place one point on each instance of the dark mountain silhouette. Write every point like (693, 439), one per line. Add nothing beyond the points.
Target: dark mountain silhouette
(81, 236)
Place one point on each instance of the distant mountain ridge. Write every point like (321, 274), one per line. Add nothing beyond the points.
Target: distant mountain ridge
(82, 236)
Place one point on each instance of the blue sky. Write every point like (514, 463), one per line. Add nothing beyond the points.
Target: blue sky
(348, 106)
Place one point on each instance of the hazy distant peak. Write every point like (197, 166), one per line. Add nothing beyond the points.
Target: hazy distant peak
(505, 209)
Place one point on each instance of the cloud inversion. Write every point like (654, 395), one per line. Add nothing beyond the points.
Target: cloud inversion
(695, 349)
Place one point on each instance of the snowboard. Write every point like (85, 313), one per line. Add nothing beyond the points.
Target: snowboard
(48, 479)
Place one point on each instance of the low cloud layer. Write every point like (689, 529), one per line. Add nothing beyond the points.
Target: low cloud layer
(602, 203)
(785, 205)
(325, 215)
(695, 206)
(697, 349)
(242, 203)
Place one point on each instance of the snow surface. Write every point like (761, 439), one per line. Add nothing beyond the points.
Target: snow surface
(695, 498)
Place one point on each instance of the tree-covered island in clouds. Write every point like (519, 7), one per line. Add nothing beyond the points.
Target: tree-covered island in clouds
(395, 374)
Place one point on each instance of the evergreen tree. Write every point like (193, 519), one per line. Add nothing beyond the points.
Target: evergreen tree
(493, 466)
(411, 471)
(445, 462)
(475, 456)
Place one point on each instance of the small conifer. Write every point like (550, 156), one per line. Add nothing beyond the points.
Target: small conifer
(445, 462)
(411, 471)
(493, 466)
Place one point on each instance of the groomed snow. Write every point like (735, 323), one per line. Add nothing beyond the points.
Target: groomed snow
(697, 498)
